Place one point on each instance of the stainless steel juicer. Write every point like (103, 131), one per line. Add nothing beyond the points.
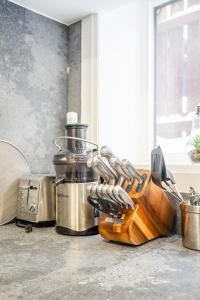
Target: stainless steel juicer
(74, 214)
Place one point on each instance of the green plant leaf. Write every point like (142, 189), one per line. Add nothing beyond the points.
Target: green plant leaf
(196, 142)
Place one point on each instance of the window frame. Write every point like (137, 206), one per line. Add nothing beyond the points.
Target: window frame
(171, 158)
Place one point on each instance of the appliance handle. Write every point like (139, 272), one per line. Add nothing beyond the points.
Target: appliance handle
(72, 138)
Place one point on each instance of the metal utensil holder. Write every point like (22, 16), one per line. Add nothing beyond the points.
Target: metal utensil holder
(190, 216)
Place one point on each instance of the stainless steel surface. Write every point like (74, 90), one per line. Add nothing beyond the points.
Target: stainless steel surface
(13, 165)
(105, 193)
(117, 190)
(169, 191)
(190, 226)
(72, 138)
(114, 220)
(36, 198)
(99, 191)
(133, 172)
(94, 188)
(92, 164)
(120, 180)
(117, 165)
(109, 192)
(167, 187)
(73, 210)
(194, 197)
(168, 178)
(174, 191)
(90, 187)
(59, 180)
(110, 166)
(104, 169)
(106, 152)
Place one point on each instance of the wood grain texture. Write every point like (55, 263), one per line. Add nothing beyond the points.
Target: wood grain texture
(152, 216)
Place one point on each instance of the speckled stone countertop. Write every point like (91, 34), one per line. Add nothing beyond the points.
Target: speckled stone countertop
(45, 265)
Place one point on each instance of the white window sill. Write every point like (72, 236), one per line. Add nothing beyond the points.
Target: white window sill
(186, 174)
(177, 168)
(177, 163)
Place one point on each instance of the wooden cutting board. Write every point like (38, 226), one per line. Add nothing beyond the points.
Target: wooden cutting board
(13, 165)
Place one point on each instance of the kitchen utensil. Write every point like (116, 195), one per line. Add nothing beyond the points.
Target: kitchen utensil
(106, 152)
(120, 192)
(105, 168)
(116, 164)
(190, 225)
(74, 214)
(171, 192)
(105, 205)
(194, 197)
(160, 174)
(103, 175)
(134, 174)
(168, 178)
(13, 165)
(104, 192)
(36, 199)
(103, 196)
(132, 171)
(109, 192)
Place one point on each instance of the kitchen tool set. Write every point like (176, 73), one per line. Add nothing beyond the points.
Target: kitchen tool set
(133, 208)
(96, 192)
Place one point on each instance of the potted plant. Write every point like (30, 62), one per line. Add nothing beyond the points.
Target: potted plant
(194, 154)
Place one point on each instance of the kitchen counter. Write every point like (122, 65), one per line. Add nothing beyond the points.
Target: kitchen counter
(46, 265)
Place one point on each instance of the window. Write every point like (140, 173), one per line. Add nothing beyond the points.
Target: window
(177, 80)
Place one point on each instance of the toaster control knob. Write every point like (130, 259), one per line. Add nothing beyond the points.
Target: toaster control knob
(32, 207)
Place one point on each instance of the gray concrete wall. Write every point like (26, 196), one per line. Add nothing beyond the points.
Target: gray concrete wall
(74, 63)
(33, 80)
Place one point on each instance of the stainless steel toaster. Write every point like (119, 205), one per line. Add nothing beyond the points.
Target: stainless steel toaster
(36, 200)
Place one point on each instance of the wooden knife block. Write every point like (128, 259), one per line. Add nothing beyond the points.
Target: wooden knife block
(153, 216)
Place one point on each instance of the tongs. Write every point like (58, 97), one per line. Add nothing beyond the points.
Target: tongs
(163, 177)
(194, 197)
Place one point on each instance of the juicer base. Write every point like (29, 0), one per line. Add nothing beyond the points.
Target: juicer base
(68, 231)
